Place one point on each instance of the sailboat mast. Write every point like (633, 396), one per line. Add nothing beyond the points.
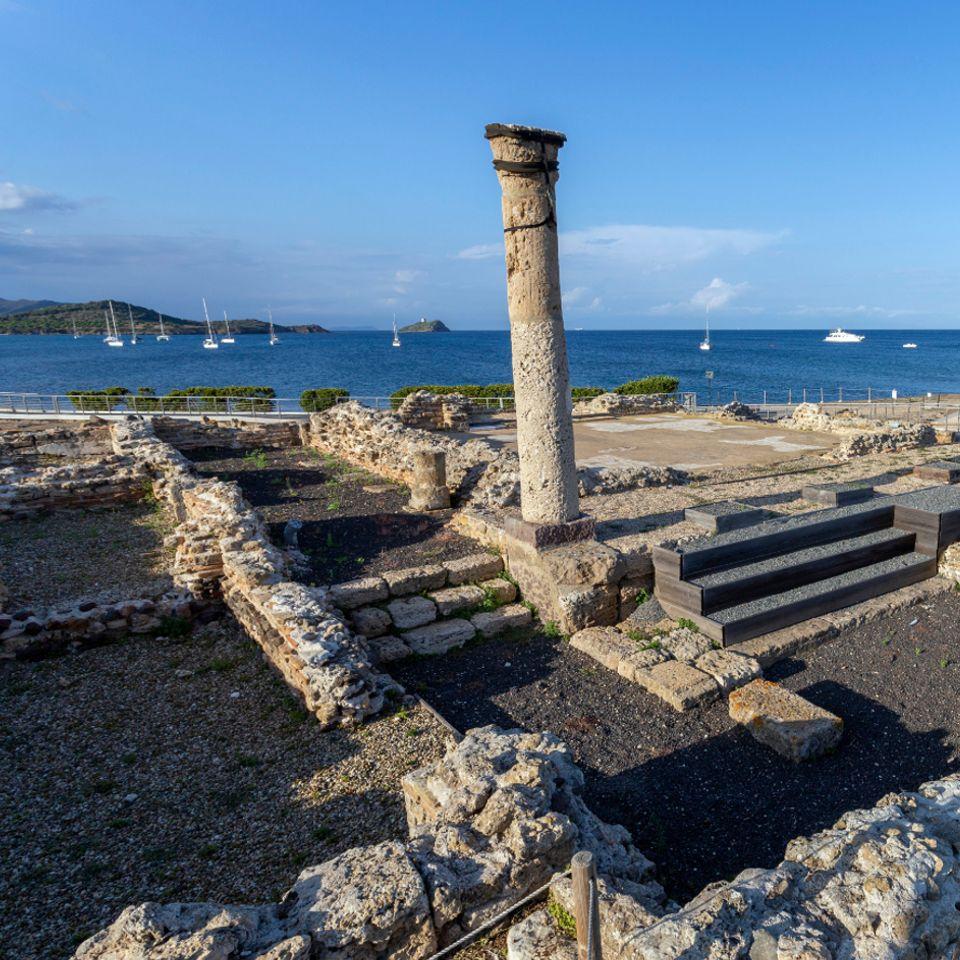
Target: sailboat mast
(133, 329)
(113, 317)
(207, 316)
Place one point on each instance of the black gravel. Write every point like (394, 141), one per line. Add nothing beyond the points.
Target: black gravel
(701, 797)
(939, 499)
(354, 523)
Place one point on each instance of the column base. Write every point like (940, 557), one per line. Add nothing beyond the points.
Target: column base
(540, 535)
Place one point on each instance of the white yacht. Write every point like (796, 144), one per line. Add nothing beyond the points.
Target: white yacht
(162, 336)
(396, 336)
(705, 343)
(210, 343)
(843, 336)
(228, 336)
(274, 339)
(909, 346)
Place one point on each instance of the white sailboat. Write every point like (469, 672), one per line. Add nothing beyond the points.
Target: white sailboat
(210, 343)
(228, 336)
(76, 336)
(133, 329)
(113, 339)
(274, 339)
(162, 336)
(396, 336)
(705, 343)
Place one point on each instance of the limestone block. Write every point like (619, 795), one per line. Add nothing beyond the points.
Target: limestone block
(583, 564)
(477, 566)
(784, 721)
(730, 670)
(410, 612)
(537, 938)
(492, 622)
(503, 591)
(358, 593)
(371, 621)
(685, 644)
(388, 648)
(367, 903)
(580, 607)
(439, 637)
(641, 660)
(679, 684)
(415, 580)
(428, 482)
(456, 598)
(605, 644)
(772, 647)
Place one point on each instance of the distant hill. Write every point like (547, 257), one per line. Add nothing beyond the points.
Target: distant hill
(425, 326)
(89, 319)
(23, 306)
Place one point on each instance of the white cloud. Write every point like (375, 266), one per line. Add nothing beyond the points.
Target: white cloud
(575, 295)
(580, 300)
(407, 276)
(718, 293)
(481, 251)
(18, 198)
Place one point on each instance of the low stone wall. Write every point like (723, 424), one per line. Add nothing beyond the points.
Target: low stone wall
(431, 411)
(490, 822)
(882, 882)
(63, 438)
(625, 405)
(222, 547)
(25, 491)
(233, 433)
(28, 633)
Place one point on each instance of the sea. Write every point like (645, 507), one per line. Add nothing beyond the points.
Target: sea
(748, 363)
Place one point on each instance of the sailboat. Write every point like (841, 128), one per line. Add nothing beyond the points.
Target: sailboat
(113, 339)
(76, 336)
(274, 339)
(133, 329)
(396, 336)
(227, 337)
(705, 343)
(210, 343)
(162, 336)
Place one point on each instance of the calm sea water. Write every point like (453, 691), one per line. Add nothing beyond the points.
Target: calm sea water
(365, 363)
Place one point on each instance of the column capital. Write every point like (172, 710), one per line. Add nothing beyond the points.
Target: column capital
(513, 131)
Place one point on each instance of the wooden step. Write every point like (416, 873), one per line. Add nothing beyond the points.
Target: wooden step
(735, 585)
(756, 617)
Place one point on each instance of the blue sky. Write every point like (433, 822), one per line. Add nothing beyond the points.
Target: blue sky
(784, 164)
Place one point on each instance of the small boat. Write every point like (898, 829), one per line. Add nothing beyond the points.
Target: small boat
(162, 336)
(909, 346)
(396, 336)
(210, 343)
(843, 336)
(227, 337)
(113, 339)
(705, 343)
(274, 339)
(76, 336)
(133, 329)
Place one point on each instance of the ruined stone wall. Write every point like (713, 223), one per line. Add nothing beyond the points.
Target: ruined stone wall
(222, 547)
(27, 490)
(233, 433)
(431, 411)
(625, 405)
(491, 821)
(21, 439)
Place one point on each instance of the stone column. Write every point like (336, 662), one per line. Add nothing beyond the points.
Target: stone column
(525, 159)
(428, 486)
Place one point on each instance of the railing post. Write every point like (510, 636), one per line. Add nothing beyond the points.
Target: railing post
(869, 394)
(790, 397)
(840, 393)
(821, 394)
(586, 908)
(56, 404)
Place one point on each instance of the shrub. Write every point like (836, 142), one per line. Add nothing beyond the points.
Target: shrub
(587, 393)
(472, 390)
(660, 383)
(322, 398)
(243, 399)
(106, 399)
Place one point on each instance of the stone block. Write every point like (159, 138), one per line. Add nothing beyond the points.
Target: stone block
(730, 670)
(605, 644)
(371, 621)
(387, 648)
(359, 593)
(685, 644)
(542, 535)
(415, 580)
(409, 612)
(640, 660)
(456, 598)
(439, 637)
(773, 647)
(784, 721)
(491, 622)
(477, 566)
(583, 564)
(580, 607)
(503, 591)
(679, 684)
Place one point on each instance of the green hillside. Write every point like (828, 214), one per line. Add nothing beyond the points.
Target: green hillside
(425, 326)
(89, 319)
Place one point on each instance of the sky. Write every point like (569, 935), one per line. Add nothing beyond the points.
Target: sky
(774, 164)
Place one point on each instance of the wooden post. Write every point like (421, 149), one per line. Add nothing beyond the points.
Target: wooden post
(586, 907)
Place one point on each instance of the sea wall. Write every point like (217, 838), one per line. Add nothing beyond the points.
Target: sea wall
(491, 821)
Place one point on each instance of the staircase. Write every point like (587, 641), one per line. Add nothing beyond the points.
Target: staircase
(748, 582)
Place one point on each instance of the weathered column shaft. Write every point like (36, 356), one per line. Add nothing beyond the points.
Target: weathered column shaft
(525, 159)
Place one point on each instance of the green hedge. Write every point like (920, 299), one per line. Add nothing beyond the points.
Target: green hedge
(245, 399)
(587, 393)
(322, 398)
(106, 399)
(660, 383)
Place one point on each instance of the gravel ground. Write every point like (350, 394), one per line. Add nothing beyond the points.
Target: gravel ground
(177, 771)
(58, 557)
(702, 798)
(354, 522)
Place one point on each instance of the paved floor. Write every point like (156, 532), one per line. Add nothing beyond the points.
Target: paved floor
(681, 441)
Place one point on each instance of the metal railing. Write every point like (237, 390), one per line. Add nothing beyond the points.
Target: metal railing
(101, 405)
